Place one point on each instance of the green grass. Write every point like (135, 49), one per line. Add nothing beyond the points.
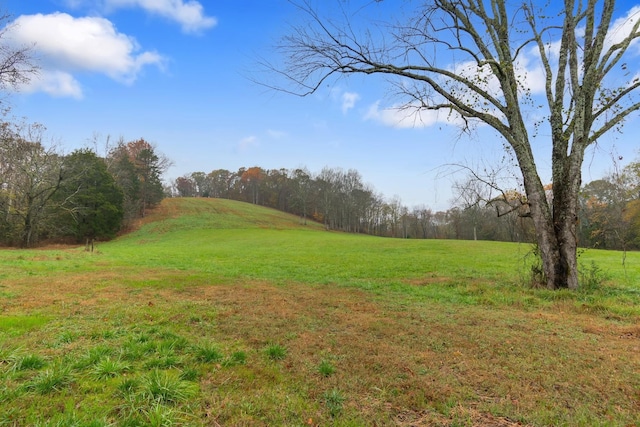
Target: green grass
(220, 312)
(28, 362)
(17, 325)
(276, 352)
(326, 368)
(208, 353)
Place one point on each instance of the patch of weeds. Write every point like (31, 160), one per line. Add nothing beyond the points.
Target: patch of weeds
(71, 419)
(167, 387)
(6, 356)
(132, 421)
(189, 374)
(149, 347)
(103, 334)
(208, 353)
(109, 368)
(438, 346)
(142, 338)
(128, 386)
(167, 335)
(8, 416)
(173, 343)
(132, 351)
(591, 277)
(9, 393)
(60, 420)
(276, 352)
(236, 358)
(326, 369)
(66, 337)
(93, 356)
(28, 362)
(164, 362)
(334, 401)
(51, 380)
(160, 416)
(537, 276)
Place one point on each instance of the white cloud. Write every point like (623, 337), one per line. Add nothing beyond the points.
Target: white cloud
(622, 27)
(349, 101)
(55, 83)
(190, 14)
(410, 117)
(65, 45)
(531, 76)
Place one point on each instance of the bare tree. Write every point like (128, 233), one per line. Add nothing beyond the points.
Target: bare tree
(470, 59)
(30, 175)
(16, 61)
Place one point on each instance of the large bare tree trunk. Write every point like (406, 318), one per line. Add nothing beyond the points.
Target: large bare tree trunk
(557, 246)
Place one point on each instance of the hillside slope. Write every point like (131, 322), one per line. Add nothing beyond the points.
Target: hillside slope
(191, 213)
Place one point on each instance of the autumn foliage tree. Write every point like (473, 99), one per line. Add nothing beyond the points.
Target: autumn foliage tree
(138, 168)
(252, 179)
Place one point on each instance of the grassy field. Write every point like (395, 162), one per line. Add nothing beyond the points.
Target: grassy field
(222, 313)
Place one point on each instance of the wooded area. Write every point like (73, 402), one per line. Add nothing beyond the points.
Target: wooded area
(609, 214)
(79, 197)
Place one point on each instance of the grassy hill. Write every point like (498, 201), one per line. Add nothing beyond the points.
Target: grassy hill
(215, 312)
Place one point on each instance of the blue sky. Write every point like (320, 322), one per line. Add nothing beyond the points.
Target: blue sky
(179, 74)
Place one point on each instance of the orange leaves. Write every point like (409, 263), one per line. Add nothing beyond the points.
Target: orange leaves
(253, 174)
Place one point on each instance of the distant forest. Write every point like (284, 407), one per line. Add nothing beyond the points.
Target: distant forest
(47, 196)
(609, 216)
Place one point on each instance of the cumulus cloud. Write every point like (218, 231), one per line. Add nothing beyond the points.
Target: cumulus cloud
(65, 45)
(349, 101)
(55, 83)
(190, 14)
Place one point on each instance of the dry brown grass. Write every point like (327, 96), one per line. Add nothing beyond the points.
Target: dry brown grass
(397, 363)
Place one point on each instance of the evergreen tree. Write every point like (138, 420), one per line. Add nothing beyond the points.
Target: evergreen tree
(90, 199)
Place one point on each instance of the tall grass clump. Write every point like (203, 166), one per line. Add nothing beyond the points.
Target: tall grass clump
(109, 368)
(276, 352)
(167, 387)
(28, 362)
(334, 401)
(52, 379)
(208, 353)
(326, 368)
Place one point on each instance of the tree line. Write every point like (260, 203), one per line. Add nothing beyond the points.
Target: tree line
(609, 215)
(46, 195)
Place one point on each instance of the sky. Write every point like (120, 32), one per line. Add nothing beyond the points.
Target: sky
(182, 75)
